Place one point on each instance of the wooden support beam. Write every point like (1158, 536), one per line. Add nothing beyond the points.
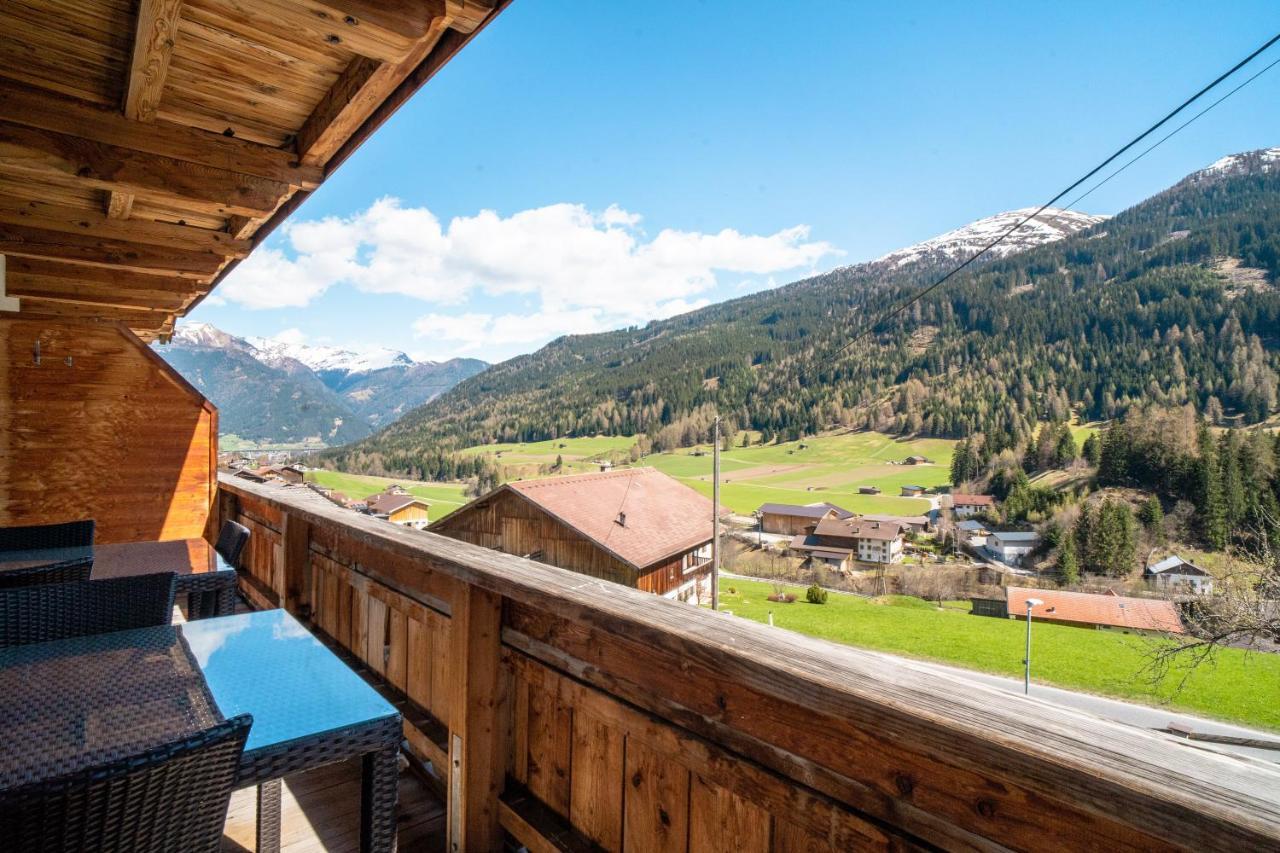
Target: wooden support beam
(295, 534)
(71, 220)
(357, 93)
(154, 35)
(46, 110)
(87, 249)
(40, 272)
(96, 296)
(42, 154)
(477, 722)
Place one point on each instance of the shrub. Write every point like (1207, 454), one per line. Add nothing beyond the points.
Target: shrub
(816, 595)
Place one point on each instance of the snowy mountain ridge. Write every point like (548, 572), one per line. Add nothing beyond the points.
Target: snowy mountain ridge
(1050, 225)
(277, 353)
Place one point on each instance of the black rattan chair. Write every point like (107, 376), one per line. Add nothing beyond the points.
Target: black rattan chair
(39, 614)
(231, 541)
(66, 535)
(173, 798)
(65, 572)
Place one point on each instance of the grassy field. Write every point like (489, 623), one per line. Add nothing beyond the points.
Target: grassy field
(825, 468)
(443, 497)
(1235, 686)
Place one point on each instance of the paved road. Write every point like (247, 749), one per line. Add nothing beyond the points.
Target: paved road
(1142, 716)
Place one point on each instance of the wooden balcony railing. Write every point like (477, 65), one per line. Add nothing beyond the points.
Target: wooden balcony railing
(576, 714)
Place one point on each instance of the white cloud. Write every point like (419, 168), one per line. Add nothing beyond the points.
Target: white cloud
(580, 270)
(293, 337)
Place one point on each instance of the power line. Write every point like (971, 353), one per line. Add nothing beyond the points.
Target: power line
(1172, 133)
(916, 297)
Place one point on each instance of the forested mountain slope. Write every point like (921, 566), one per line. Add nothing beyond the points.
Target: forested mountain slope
(1175, 300)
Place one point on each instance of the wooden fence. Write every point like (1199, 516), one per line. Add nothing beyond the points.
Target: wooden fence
(575, 714)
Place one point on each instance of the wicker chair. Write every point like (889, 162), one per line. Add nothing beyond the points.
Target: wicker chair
(65, 572)
(67, 535)
(173, 798)
(38, 614)
(231, 541)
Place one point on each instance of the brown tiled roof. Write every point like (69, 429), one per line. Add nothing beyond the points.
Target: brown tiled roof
(1085, 608)
(385, 504)
(662, 516)
(973, 500)
(858, 529)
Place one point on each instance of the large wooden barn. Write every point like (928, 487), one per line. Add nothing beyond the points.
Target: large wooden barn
(635, 526)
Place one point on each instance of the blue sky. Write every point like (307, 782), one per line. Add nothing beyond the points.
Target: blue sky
(586, 165)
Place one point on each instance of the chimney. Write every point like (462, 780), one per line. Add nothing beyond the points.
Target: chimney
(621, 519)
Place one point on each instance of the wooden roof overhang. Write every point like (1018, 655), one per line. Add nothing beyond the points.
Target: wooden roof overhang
(148, 145)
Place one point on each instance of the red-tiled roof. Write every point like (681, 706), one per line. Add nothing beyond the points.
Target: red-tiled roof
(973, 500)
(1084, 608)
(661, 517)
(858, 529)
(385, 504)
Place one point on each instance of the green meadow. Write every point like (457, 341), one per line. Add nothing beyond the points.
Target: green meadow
(824, 468)
(1234, 686)
(443, 497)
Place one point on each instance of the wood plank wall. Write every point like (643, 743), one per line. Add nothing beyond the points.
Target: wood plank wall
(631, 723)
(101, 428)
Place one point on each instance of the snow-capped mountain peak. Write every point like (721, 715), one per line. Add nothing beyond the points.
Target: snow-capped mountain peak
(1046, 227)
(1262, 160)
(202, 335)
(323, 358)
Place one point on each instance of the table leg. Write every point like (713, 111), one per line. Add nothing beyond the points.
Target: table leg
(380, 786)
(269, 817)
(225, 601)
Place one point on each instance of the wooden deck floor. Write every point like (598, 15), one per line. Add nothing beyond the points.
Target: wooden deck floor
(320, 811)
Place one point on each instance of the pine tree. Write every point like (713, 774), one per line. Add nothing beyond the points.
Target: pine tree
(1064, 451)
(1208, 479)
(1083, 534)
(1068, 561)
(960, 463)
(1093, 449)
(1233, 492)
(1152, 514)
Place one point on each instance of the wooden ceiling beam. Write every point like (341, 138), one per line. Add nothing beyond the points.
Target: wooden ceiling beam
(357, 93)
(154, 35)
(30, 242)
(373, 28)
(35, 153)
(72, 220)
(41, 272)
(45, 110)
(135, 301)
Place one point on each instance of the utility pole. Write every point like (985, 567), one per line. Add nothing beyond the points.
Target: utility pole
(1026, 678)
(715, 516)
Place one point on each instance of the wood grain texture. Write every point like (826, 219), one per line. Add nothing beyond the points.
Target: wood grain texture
(111, 436)
(657, 802)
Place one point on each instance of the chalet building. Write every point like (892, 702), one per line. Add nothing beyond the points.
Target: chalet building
(915, 460)
(1091, 610)
(291, 474)
(795, 519)
(966, 505)
(403, 509)
(1176, 574)
(1011, 547)
(251, 475)
(972, 532)
(912, 523)
(912, 491)
(840, 543)
(868, 490)
(633, 526)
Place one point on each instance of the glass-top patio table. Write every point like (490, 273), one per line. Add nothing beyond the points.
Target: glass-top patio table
(199, 570)
(74, 703)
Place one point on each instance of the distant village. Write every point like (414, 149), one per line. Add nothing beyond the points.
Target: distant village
(642, 528)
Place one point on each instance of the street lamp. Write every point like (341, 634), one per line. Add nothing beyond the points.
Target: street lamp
(1026, 662)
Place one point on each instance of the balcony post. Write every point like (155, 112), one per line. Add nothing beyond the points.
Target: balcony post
(295, 595)
(477, 730)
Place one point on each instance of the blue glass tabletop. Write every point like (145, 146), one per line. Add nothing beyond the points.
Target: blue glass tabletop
(267, 664)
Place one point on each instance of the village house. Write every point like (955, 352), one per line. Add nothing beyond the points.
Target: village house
(1176, 574)
(868, 490)
(839, 543)
(1091, 610)
(633, 526)
(794, 519)
(972, 532)
(915, 460)
(912, 491)
(966, 505)
(403, 509)
(912, 523)
(1011, 547)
